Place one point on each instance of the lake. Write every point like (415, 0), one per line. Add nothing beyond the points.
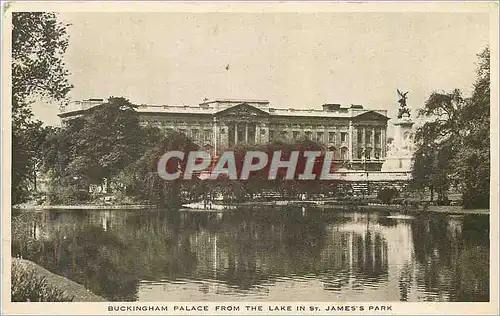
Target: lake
(278, 254)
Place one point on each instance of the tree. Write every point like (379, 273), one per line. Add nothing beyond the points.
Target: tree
(110, 140)
(453, 144)
(27, 161)
(39, 42)
(258, 181)
(96, 148)
(472, 162)
(141, 177)
(387, 194)
(431, 170)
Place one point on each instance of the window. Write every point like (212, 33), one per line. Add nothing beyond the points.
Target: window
(343, 137)
(360, 136)
(320, 137)
(251, 134)
(308, 135)
(271, 134)
(377, 138)
(331, 137)
(241, 134)
(368, 137)
(296, 134)
(207, 136)
(283, 134)
(194, 134)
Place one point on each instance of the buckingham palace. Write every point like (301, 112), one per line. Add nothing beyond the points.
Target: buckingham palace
(358, 136)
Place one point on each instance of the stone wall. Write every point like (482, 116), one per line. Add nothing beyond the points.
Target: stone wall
(360, 188)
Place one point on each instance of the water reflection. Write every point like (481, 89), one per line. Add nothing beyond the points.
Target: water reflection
(279, 255)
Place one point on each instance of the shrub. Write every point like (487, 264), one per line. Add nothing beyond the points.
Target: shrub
(27, 286)
(387, 194)
(23, 242)
(67, 194)
(15, 211)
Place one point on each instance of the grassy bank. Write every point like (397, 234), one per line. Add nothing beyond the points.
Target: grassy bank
(457, 210)
(340, 205)
(33, 283)
(367, 205)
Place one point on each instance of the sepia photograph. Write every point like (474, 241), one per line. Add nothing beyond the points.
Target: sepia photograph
(225, 152)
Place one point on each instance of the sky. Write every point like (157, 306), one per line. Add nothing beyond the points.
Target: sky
(294, 60)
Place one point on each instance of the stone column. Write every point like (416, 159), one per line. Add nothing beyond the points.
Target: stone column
(350, 153)
(264, 128)
(246, 132)
(363, 141)
(235, 133)
(383, 140)
(364, 137)
(257, 133)
(223, 137)
(355, 144)
(372, 140)
(214, 136)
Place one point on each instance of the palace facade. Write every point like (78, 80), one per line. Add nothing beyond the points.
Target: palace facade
(358, 136)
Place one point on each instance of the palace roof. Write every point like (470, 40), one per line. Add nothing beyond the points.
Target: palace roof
(218, 106)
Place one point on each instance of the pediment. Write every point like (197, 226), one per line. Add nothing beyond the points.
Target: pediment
(371, 116)
(242, 110)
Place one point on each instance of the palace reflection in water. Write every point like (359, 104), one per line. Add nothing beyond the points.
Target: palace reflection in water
(276, 255)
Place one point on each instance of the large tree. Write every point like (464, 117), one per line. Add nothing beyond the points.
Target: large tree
(453, 145)
(95, 148)
(109, 140)
(472, 162)
(141, 178)
(258, 182)
(39, 42)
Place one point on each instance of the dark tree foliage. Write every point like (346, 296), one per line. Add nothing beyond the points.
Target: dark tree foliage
(141, 178)
(387, 194)
(453, 145)
(38, 72)
(258, 182)
(96, 148)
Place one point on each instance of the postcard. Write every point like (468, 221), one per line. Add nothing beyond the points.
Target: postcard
(250, 158)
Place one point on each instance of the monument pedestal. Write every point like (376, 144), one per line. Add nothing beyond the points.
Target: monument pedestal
(399, 156)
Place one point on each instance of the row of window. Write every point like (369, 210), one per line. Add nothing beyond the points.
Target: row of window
(196, 134)
(319, 136)
(206, 135)
(368, 136)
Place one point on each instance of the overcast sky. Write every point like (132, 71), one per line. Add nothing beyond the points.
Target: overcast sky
(298, 60)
